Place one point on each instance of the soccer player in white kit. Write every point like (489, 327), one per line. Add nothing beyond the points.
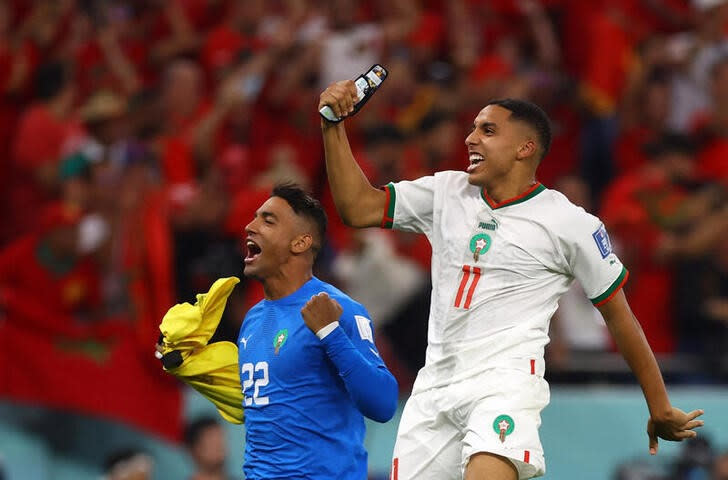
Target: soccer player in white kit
(505, 248)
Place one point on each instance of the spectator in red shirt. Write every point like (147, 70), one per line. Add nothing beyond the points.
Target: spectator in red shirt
(640, 209)
(712, 128)
(183, 106)
(48, 263)
(46, 131)
(643, 120)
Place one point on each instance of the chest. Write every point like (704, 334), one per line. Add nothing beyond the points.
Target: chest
(277, 344)
(471, 234)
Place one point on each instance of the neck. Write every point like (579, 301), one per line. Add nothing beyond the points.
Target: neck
(288, 280)
(505, 190)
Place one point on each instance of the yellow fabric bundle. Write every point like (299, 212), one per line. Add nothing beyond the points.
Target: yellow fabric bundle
(211, 369)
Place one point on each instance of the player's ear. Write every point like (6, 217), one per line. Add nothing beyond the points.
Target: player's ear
(302, 243)
(527, 149)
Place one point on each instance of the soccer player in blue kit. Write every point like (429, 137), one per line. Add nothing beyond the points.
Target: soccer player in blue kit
(309, 368)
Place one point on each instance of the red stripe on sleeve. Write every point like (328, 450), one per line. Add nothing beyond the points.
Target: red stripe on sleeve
(619, 287)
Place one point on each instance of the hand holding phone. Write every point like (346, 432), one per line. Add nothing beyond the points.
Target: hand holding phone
(337, 106)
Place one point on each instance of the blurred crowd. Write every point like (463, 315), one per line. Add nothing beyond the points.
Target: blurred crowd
(697, 459)
(138, 138)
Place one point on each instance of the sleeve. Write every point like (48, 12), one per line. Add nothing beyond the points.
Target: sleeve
(410, 205)
(591, 260)
(351, 348)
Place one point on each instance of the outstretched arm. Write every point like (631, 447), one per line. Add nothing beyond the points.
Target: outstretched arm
(665, 421)
(359, 204)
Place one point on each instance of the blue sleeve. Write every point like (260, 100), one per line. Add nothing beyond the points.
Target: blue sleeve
(369, 383)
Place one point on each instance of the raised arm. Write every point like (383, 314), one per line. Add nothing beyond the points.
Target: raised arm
(359, 203)
(665, 421)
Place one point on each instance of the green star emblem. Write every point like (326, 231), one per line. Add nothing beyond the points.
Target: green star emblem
(279, 339)
(503, 425)
(480, 244)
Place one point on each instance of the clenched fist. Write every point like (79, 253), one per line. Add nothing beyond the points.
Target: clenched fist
(320, 311)
(341, 97)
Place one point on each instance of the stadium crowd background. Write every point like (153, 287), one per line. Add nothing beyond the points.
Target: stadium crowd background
(137, 138)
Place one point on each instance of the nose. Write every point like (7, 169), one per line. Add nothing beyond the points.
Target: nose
(249, 227)
(471, 139)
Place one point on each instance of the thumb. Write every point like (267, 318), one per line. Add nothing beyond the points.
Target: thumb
(653, 438)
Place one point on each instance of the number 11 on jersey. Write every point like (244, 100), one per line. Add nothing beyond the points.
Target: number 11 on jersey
(468, 273)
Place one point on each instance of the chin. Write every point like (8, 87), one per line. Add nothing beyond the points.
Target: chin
(249, 271)
(477, 180)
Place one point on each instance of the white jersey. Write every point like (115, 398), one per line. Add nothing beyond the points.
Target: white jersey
(498, 270)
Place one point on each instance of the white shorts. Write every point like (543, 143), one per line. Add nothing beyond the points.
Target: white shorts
(498, 412)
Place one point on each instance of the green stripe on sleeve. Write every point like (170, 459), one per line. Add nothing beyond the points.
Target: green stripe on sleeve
(612, 288)
(388, 218)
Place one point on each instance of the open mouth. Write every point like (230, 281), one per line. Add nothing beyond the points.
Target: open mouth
(475, 160)
(253, 251)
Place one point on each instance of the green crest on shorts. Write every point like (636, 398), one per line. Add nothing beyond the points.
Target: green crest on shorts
(280, 339)
(503, 425)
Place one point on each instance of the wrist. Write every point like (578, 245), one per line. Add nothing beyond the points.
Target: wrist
(662, 414)
(324, 331)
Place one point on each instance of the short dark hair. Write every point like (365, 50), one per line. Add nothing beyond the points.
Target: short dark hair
(669, 143)
(304, 205)
(119, 456)
(194, 429)
(533, 116)
(383, 134)
(50, 79)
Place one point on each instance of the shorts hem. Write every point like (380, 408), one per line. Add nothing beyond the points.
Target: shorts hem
(525, 470)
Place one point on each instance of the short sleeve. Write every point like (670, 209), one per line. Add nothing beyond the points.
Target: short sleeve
(592, 261)
(410, 205)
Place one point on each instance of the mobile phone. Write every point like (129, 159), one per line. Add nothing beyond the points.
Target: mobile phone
(366, 84)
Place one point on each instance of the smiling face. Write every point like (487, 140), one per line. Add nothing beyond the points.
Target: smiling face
(495, 145)
(275, 234)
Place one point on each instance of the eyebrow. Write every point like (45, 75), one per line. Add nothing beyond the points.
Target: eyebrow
(267, 215)
(484, 125)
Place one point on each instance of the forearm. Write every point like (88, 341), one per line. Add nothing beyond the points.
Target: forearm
(120, 65)
(357, 201)
(632, 344)
(372, 387)
(204, 133)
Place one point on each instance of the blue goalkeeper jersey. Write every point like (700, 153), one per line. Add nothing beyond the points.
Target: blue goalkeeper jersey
(305, 398)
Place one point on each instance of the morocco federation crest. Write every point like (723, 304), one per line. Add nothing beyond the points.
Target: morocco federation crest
(503, 426)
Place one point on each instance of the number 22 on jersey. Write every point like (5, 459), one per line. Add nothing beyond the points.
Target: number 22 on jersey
(471, 276)
(247, 376)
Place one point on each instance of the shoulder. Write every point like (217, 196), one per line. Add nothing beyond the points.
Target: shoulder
(450, 183)
(255, 310)
(453, 178)
(350, 306)
(564, 214)
(570, 224)
(438, 178)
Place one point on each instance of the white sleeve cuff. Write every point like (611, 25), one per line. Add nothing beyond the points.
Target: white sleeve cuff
(321, 334)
